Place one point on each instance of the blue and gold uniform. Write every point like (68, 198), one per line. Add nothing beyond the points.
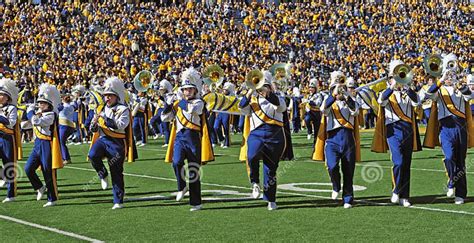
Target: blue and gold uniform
(112, 139)
(338, 140)
(450, 125)
(10, 142)
(265, 141)
(66, 128)
(142, 115)
(46, 151)
(312, 117)
(189, 139)
(397, 130)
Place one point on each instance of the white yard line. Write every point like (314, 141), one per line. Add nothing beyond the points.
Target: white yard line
(280, 192)
(54, 230)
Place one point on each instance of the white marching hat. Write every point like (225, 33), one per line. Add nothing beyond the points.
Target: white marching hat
(313, 83)
(335, 75)
(351, 83)
(49, 93)
(191, 78)
(229, 87)
(8, 87)
(79, 89)
(268, 77)
(470, 79)
(115, 86)
(165, 84)
(447, 59)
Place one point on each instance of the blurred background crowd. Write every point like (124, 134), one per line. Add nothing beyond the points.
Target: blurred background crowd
(71, 43)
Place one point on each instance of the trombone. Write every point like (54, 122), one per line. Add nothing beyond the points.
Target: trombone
(402, 74)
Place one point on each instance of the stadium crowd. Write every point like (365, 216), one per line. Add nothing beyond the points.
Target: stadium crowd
(68, 44)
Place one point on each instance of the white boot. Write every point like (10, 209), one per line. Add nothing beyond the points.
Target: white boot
(450, 192)
(117, 206)
(309, 136)
(272, 206)
(405, 203)
(104, 184)
(458, 200)
(2, 183)
(8, 199)
(41, 192)
(49, 204)
(181, 194)
(334, 195)
(395, 198)
(196, 208)
(347, 205)
(255, 191)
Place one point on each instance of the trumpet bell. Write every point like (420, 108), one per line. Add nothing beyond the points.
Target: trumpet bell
(433, 65)
(403, 74)
(143, 80)
(280, 70)
(254, 79)
(213, 75)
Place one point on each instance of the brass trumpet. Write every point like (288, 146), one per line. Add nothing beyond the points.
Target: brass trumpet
(254, 79)
(433, 65)
(402, 74)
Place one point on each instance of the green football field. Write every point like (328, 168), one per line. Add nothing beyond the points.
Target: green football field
(305, 213)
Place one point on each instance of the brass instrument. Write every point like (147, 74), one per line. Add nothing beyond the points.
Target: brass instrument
(402, 74)
(281, 73)
(433, 65)
(143, 80)
(213, 76)
(254, 79)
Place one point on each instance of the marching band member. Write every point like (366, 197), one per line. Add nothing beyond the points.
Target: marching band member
(189, 138)
(222, 122)
(470, 82)
(166, 95)
(338, 137)
(142, 113)
(266, 140)
(9, 137)
(288, 152)
(112, 138)
(425, 101)
(66, 126)
(295, 109)
(312, 117)
(397, 130)
(46, 151)
(79, 112)
(450, 114)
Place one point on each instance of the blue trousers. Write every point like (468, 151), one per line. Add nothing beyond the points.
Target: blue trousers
(139, 128)
(165, 128)
(426, 117)
(114, 150)
(155, 123)
(41, 156)
(64, 133)
(453, 138)
(265, 143)
(187, 145)
(223, 120)
(212, 119)
(400, 143)
(90, 116)
(9, 169)
(340, 145)
(296, 124)
(241, 123)
(312, 120)
(369, 119)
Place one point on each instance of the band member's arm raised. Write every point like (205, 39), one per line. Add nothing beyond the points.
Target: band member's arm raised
(415, 100)
(194, 107)
(353, 106)
(327, 103)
